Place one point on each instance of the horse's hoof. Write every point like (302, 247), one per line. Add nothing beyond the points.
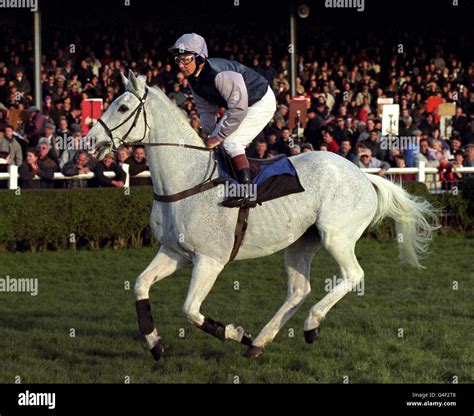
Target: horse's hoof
(157, 350)
(253, 351)
(246, 339)
(312, 335)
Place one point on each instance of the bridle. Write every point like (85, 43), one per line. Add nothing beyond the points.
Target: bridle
(136, 112)
(203, 186)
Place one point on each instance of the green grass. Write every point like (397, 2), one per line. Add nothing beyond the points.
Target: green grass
(84, 290)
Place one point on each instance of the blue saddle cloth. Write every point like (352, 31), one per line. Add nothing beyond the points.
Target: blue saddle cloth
(261, 169)
(274, 178)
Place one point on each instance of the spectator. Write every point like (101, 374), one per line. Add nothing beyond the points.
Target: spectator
(367, 161)
(312, 132)
(295, 150)
(345, 150)
(3, 117)
(21, 83)
(469, 155)
(49, 138)
(328, 137)
(108, 165)
(261, 150)
(340, 132)
(73, 146)
(412, 152)
(122, 155)
(400, 163)
(44, 152)
(455, 144)
(80, 165)
(306, 148)
(32, 167)
(424, 154)
(459, 122)
(268, 71)
(373, 144)
(177, 96)
(137, 164)
(63, 130)
(456, 165)
(34, 128)
(10, 145)
(285, 142)
(272, 141)
(282, 113)
(3, 89)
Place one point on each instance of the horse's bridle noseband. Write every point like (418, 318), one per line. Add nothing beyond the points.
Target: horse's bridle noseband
(136, 113)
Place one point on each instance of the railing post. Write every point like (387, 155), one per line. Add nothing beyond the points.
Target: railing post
(125, 167)
(13, 179)
(421, 171)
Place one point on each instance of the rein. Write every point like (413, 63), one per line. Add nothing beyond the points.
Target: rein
(203, 186)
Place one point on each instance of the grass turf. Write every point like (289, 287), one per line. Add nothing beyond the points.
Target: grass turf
(360, 343)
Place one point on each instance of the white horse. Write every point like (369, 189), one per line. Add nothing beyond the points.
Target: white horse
(339, 203)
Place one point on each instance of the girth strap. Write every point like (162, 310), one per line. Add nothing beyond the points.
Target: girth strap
(240, 229)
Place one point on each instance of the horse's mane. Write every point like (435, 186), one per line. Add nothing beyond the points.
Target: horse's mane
(179, 116)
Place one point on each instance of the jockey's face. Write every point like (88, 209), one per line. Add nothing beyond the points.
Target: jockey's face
(186, 63)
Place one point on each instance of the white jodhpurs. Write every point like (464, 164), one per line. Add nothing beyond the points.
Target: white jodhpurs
(257, 117)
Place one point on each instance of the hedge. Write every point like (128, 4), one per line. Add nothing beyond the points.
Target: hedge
(103, 217)
(70, 218)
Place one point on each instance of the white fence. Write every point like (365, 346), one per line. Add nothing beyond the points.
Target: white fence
(13, 178)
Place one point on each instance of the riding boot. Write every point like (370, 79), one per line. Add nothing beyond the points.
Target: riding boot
(244, 176)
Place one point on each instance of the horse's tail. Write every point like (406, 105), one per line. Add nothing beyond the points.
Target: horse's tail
(415, 219)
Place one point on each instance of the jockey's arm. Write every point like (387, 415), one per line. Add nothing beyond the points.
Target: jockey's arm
(231, 86)
(207, 114)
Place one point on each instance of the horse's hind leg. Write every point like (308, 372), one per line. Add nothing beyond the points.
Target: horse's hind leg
(165, 263)
(342, 249)
(298, 258)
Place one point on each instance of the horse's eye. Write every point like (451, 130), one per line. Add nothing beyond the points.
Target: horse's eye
(123, 108)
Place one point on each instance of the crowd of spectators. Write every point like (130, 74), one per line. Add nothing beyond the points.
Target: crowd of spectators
(341, 81)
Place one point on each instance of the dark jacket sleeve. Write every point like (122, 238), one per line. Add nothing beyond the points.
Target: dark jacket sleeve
(70, 169)
(25, 173)
(135, 168)
(104, 180)
(120, 174)
(45, 172)
(101, 178)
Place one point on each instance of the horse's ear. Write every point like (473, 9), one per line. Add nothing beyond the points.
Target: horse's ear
(133, 80)
(124, 80)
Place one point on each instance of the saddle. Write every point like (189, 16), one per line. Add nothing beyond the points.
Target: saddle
(274, 177)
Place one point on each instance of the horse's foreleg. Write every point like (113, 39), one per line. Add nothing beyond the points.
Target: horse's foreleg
(205, 273)
(165, 263)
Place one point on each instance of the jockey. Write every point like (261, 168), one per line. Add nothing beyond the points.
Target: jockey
(246, 95)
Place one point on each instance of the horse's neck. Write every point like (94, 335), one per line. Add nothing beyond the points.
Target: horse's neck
(174, 169)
